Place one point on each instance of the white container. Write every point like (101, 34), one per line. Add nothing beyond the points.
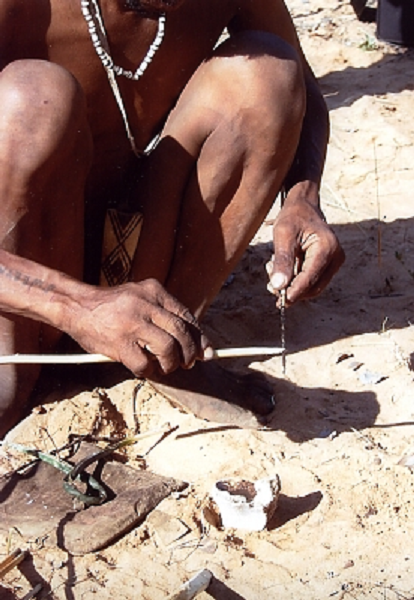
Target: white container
(245, 504)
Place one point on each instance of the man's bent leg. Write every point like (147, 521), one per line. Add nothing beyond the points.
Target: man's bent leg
(225, 152)
(252, 139)
(44, 159)
(222, 159)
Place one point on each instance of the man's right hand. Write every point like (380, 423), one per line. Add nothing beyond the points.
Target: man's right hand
(140, 325)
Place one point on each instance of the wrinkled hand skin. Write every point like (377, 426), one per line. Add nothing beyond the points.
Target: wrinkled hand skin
(306, 251)
(140, 325)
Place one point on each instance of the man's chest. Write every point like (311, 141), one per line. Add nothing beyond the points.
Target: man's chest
(57, 30)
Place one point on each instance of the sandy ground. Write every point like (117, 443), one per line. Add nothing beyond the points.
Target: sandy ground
(345, 409)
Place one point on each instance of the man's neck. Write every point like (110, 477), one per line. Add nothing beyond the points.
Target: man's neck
(150, 7)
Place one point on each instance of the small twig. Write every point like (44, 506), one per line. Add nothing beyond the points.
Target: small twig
(9, 538)
(367, 440)
(283, 328)
(38, 588)
(135, 393)
(361, 436)
(341, 203)
(77, 359)
(379, 231)
(164, 433)
(11, 561)
(56, 449)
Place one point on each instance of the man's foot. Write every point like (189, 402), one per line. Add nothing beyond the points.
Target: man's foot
(215, 394)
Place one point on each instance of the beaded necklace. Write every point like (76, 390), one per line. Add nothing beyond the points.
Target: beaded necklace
(99, 40)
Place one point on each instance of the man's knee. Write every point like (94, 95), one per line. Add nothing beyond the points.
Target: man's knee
(265, 78)
(252, 89)
(42, 111)
(42, 87)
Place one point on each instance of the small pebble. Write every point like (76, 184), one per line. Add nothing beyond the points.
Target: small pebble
(370, 378)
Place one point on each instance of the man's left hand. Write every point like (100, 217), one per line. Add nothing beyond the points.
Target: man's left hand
(306, 251)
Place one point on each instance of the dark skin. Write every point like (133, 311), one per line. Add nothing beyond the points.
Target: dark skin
(238, 123)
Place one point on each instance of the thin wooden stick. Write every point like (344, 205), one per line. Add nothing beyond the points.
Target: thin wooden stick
(283, 328)
(11, 561)
(53, 359)
(249, 351)
(77, 359)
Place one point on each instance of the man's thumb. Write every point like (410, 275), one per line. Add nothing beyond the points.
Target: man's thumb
(279, 280)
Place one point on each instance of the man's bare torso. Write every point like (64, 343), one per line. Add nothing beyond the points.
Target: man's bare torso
(56, 30)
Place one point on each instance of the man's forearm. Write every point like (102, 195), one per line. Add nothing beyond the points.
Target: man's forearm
(37, 292)
(133, 323)
(307, 167)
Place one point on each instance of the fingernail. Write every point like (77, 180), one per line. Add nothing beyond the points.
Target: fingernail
(208, 353)
(279, 281)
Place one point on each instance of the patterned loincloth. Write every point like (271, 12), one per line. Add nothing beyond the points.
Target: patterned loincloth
(121, 235)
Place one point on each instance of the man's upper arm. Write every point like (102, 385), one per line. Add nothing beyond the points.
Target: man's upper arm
(273, 16)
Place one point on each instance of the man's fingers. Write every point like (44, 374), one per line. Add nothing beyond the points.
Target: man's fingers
(172, 305)
(325, 277)
(185, 338)
(137, 360)
(186, 329)
(172, 334)
(153, 346)
(317, 271)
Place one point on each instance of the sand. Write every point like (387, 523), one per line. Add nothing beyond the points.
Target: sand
(345, 408)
